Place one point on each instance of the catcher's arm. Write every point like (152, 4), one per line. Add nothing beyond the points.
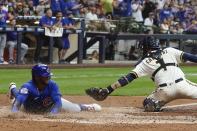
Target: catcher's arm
(101, 94)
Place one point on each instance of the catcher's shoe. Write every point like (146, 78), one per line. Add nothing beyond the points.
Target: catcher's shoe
(90, 107)
(10, 95)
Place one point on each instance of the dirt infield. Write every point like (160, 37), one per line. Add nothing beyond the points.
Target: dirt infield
(118, 114)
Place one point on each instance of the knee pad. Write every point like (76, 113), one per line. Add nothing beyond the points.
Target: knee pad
(151, 105)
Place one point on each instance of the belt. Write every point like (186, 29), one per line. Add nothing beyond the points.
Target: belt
(176, 81)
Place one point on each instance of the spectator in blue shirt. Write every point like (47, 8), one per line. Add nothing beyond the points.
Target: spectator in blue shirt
(125, 7)
(116, 9)
(122, 8)
(192, 28)
(3, 18)
(181, 14)
(165, 13)
(36, 2)
(67, 23)
(56, 6)
(46, 22)
(72, 5)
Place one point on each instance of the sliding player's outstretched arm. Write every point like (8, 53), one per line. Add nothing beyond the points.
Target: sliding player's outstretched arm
(19, 99)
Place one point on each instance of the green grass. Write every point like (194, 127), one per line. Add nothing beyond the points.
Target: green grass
(75, 81)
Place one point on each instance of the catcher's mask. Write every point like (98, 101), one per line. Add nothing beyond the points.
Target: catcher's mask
(149, 43)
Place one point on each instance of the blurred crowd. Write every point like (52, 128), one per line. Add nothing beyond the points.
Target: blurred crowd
(173, 16)
(170, 16)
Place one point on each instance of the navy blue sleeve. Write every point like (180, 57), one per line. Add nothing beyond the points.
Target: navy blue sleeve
(56, 97)
(189, 57)
(127, 79)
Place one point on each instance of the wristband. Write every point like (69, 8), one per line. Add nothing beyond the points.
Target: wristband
(110, 89)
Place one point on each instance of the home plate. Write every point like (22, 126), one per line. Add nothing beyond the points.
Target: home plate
(192, 107)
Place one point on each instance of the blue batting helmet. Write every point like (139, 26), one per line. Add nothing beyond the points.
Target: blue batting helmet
(41, 70)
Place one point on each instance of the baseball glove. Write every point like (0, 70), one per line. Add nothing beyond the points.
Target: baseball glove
(98, 94)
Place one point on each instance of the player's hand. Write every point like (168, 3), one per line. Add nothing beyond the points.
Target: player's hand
(98, 94)
(12, 83)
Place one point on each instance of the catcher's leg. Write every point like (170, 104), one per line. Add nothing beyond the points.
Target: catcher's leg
(183, 89)
(152, 105)
(73, 107)
(187, 89)
(159, 98)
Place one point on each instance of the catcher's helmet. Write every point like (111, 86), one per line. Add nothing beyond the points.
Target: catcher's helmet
(41, 70)
(149, 43)
(152, 43)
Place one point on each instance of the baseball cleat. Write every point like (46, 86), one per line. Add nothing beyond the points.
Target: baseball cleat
(90, 107)
(10, 95)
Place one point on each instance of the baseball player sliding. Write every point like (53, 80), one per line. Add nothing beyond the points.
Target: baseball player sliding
(42, 95)
(162, 66)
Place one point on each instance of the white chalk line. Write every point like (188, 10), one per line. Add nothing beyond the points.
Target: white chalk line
(130, 120)
(182, 105)
(117, 115)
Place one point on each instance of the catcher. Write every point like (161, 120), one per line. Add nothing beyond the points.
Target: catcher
(162, 66)
(42, 95)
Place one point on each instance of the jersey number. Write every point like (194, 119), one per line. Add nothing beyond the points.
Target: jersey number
(149, 60)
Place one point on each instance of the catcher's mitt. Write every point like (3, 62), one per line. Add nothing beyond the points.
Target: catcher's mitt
(98, 94)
